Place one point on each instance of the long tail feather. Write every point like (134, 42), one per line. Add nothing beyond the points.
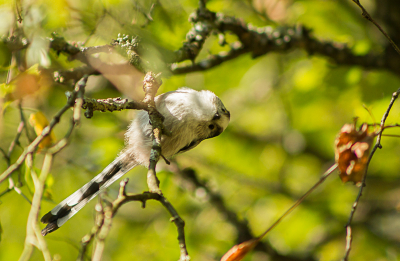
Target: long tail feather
(71, 205)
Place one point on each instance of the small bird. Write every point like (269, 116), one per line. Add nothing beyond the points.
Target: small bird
(190, 116)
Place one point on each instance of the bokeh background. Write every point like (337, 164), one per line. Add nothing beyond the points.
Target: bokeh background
(286, 110)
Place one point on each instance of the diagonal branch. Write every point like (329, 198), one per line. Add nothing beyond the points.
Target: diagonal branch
(46, 131)
(244, 232)
(367, 16)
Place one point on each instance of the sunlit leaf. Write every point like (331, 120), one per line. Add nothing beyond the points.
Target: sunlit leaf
(6, 89)
(39, 121)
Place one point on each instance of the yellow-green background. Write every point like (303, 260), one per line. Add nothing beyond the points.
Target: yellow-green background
(286, 110)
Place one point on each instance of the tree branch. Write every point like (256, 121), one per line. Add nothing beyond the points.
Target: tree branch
(349, 235)
(46, 131)
(367, 16)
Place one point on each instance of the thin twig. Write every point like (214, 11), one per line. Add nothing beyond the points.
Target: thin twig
(87, 239)
(22, 116)
(7, 156)
(46, 131)
(369, 18)
(21, 126)
(349, 236)
(16, 189)
(320, 181)
(105, 215)
(123, 198)
(191, 182)
(33, 234)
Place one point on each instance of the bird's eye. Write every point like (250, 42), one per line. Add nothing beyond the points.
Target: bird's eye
(211, 126)
(216, 116)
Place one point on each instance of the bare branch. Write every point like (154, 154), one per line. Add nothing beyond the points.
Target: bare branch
(216, 200)
(367, 16)
(46, 131)
(349, 236)
(110, 104)
(213, 60)
(123, 198)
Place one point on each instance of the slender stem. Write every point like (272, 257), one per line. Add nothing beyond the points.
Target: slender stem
(349, 237)
(321, 180)
(369, 18)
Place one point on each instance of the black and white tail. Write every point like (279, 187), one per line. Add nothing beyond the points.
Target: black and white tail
(71, 205)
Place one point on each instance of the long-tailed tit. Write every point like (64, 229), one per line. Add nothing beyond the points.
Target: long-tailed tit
(191, 116)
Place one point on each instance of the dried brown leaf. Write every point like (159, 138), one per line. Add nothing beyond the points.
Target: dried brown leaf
(352, 149)
(238, 252)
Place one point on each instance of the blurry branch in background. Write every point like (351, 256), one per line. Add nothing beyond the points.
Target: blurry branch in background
(189, 181)
(262, 40)
(349, 235)
(7, 156)
(238, 252)
(257, 41)
(46, 131)
(34, 237)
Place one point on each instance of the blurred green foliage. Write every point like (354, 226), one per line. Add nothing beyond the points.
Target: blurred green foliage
(286, 109)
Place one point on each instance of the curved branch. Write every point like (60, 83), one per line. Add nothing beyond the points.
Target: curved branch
(263, 40)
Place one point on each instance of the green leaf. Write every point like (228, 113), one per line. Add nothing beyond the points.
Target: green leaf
(6, 89)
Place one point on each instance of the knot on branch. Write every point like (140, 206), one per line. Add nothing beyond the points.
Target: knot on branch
(202, 14)
(17, 41)
(133, 48)
(110, 104)
(59, 44)
(151, 83)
